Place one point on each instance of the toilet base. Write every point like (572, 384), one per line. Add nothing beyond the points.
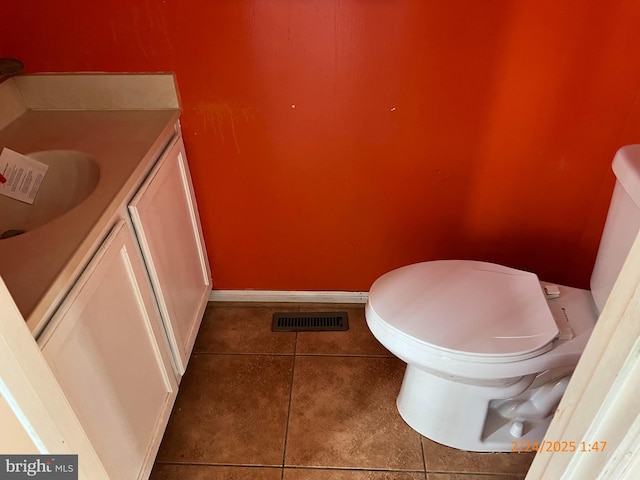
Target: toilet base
(472, 416)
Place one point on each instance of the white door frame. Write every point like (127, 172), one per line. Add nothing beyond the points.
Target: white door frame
(601, 402)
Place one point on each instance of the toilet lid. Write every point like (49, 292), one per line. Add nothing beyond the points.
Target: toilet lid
(466, 307)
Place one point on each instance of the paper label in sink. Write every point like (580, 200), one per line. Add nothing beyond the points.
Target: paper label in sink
(20, 176)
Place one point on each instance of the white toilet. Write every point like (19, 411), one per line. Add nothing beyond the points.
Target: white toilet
(490, 349)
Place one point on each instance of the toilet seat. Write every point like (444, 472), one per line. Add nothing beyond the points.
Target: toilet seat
(465, 310)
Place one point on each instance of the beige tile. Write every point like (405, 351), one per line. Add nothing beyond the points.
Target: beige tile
(439, 458)
(471, 476)
(241, 329)
(231, 409)
(343, 414)
(207, 472)
(358, 340)
(335, 474)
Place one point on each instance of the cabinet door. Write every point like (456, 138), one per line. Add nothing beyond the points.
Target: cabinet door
(165, 216)
(106, 347)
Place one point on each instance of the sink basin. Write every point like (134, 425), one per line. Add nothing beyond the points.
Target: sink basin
(71, 178)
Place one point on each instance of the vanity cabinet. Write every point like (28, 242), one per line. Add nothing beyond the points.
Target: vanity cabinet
(166, 221)
(120, 340)
(114, 307)
(107, 348)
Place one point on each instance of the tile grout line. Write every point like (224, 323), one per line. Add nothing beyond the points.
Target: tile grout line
(218, 464)
(330, 355)
(243, 354)
(424, 458)
(355, 469)
(286, 428)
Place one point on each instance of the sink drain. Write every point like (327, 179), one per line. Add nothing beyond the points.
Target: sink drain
(10, 233)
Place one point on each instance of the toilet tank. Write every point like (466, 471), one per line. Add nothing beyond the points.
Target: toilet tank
(622, 225)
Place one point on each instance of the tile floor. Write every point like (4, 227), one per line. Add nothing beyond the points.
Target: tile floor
(258, 405)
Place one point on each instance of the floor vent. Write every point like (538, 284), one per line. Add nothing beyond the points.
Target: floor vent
(310, 322)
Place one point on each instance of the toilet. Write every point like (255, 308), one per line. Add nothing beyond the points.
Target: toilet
(490, 349)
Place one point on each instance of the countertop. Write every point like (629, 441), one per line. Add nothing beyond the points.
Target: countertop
(39, 266)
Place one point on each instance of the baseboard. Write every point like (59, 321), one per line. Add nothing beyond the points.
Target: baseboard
(287, 296)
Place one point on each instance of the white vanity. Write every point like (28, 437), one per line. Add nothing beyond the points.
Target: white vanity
(114, 289)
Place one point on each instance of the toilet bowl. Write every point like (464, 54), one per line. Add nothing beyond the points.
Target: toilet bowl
(490, 349)
(487, 352)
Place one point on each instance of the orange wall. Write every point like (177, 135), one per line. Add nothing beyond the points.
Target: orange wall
(332, 140)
